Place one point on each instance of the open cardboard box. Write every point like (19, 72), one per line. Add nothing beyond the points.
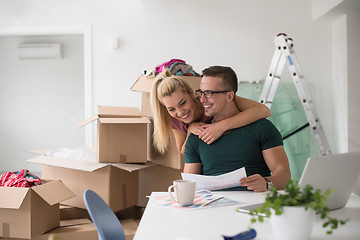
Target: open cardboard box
(122, 135)
(28, 212)
(116, 183)
(172, 158)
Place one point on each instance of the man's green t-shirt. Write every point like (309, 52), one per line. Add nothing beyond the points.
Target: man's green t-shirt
(240, 147)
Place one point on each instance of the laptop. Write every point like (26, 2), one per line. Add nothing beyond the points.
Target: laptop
(335, 171)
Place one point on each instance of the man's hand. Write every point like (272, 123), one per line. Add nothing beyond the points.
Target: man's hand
(255, 183)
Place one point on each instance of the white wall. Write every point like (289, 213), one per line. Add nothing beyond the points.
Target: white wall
(339, 79)
(41, 100)
(344, 16)
(353, 29)
(237, 33)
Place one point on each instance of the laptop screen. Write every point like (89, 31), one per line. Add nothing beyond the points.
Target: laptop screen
(335, 171)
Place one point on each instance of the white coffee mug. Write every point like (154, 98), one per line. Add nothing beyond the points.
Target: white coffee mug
(184, 190)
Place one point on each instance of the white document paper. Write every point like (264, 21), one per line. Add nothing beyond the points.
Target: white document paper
(227, 180)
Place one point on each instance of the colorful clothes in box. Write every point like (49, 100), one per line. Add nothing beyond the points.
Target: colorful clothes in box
(23, 178)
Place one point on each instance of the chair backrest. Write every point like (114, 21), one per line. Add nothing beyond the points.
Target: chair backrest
(104, 219)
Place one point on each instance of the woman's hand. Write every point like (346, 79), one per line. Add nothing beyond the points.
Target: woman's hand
(197, 128)
(212, 132)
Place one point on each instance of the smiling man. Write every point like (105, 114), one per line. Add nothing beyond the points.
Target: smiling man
(258, 146)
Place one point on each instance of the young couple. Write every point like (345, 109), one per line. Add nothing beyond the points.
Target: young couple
(218, 131)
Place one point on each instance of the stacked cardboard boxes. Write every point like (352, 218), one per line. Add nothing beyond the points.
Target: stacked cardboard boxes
(122, 142)
(128, 167)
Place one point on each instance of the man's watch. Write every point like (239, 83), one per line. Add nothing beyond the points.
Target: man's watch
(269, 184)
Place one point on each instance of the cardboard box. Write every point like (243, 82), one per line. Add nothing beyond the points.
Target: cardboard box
(122, 135)
(145, 105)
(69, 212)
(116, 183)
(80, 229)
(144, 83)
(28, 212)
(155, 179)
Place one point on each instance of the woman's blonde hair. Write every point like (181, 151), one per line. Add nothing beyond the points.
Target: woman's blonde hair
(164, 86)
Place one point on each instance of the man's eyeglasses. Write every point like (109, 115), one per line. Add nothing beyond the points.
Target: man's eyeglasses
(207, 93)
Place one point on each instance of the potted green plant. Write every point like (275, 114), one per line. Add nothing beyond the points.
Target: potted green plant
(292, 211)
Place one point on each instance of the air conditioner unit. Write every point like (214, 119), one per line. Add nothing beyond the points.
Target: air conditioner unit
(39, 50)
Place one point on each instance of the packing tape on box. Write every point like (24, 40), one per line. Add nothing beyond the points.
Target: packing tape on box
(6, 230)
(123, 158)
(124, 196)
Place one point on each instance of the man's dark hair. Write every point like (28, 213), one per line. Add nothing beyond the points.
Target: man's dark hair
(228, 75)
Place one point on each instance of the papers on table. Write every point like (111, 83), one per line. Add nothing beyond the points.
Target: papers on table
(227, 180)
(202, 199)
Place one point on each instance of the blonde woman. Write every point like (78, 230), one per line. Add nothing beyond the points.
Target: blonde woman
(175, 108)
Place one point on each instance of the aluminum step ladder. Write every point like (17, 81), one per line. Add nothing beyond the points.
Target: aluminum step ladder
(284, 52)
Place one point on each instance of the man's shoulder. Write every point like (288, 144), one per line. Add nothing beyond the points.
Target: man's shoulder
(262, 126)
(261, 122)
(192, 138)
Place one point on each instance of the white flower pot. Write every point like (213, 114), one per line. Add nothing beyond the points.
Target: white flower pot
(294, 223)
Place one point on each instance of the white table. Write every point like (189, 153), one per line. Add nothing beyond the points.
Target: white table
(168, 223)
